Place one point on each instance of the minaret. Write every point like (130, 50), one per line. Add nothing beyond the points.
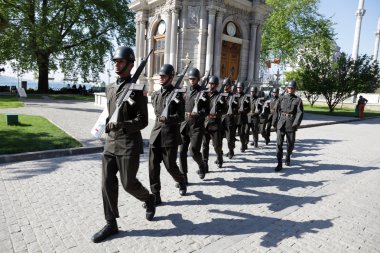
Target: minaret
(359, 15)
(377, 41)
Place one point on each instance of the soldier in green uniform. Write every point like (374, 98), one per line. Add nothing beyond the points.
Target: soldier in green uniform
(213, 122)
(165, 136)
(242, 116)
(192, 129)
(269, 108)
(228, 119)
(253, 116)
(288, 115)
(123, 145)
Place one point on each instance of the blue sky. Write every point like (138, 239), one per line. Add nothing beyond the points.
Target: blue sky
(343, 14)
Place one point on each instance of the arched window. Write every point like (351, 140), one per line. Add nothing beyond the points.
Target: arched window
(159, 46)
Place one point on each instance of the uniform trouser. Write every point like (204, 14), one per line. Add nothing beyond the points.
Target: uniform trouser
(290, 140)
(265, 129)
(230, 133)
(127, 167)
(216, 137)
(190, 140)
(243, 131)
(169, 156)
(255, 131)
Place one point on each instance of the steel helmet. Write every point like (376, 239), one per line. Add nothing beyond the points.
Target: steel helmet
(124, 52)
(292, 84)
(194, 73)
(227, 81)
(213, 79)
(167, 70)
(240, 85)
(253, 89)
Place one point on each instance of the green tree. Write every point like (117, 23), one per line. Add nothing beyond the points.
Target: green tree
(341, 77)
(73, 35)
(292, 26)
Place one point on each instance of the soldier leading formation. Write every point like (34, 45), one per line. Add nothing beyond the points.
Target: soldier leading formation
(186, 120)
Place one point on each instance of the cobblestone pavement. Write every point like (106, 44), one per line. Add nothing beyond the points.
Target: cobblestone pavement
(327, 201)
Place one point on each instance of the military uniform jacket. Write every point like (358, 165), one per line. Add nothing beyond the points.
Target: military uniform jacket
(255, 110)
(289, 113)
(272, 108)
(167, 134)
(213, 122)
(203, 107)
(127, 139)
(244, 108)
(232, 109)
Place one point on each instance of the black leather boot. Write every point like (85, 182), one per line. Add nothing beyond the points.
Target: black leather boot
(182, 188)
(279, 164)
(150, 207)
(287, 160)
(157, 200)
(220, 161)
(231, 154)
(109, 229)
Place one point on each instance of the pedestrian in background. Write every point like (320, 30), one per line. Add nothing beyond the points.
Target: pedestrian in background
(360, 106)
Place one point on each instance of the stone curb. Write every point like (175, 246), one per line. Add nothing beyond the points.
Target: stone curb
(39, 155)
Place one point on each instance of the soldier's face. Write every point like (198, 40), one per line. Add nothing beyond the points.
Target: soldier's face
(164, 79)
(193, 81)
(227, 88)
(291, 90)
(212, 86)
(122, 67)
(239, 89)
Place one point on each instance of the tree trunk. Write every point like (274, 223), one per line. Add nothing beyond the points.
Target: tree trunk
(43, 72)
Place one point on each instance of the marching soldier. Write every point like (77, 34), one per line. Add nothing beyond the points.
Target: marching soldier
(212, 123)
(165, 136)
(242, 118)
(253, 117)
(123, 145)
(228, 119)
(192, 129)
(289, 114)
(269, 108)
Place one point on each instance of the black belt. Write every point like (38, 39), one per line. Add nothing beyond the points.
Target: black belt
(287, 114)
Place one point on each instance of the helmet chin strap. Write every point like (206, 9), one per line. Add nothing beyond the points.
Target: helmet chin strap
(123, 69)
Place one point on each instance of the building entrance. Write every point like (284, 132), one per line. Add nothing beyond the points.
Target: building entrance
(230, 60)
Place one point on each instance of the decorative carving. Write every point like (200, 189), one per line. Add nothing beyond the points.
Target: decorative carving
(193, 16)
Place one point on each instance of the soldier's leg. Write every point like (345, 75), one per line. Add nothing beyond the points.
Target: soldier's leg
(183, 149)
(217, 143)
(128, 167)
(110, 191)
(205, 151)
(255, 133)
(155, 158)
(231, 133)
(279, 149)
(169, 155)
(196, 145)
(290, 139)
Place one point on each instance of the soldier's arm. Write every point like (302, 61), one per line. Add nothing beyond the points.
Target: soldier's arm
(177, 110)
(141, 108)
(299, 114)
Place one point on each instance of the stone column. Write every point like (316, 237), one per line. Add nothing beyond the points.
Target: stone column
(377, 41)
(141, 45)
(210, 38)
(137, 22)
(168, 24)
(218, 44)
(359, 15)
(257, 52)
(252, 52)
(174, 36)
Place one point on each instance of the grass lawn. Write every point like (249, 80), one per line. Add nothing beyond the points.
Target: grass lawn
(71, 97)
(33, 133)
(339, 111)
(10, 101)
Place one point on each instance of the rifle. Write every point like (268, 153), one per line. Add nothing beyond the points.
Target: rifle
(125, 97)
(200, 94)
(173, 94)
(241, 108)
(221, 94)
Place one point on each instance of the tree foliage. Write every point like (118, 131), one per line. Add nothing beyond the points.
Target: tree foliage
(294, 25)
(73, 35)
(338, 78)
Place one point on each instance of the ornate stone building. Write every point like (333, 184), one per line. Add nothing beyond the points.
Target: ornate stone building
(224, 34)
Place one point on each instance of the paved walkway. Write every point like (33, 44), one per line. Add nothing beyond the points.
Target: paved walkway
(327, 201)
